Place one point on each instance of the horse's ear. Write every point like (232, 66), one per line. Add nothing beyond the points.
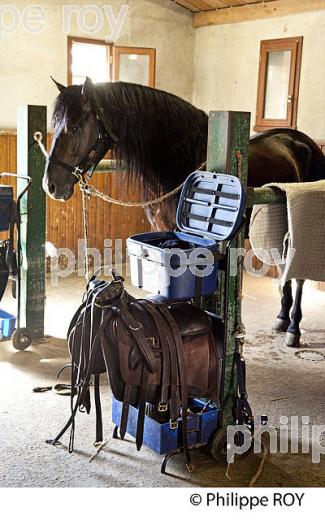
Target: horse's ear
(87, 88)
(59, 86)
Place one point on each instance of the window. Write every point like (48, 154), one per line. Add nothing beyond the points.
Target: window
(278, 83)
(135, 65)
(91, 58)
(105, 62)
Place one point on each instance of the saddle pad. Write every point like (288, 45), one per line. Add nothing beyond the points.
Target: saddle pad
(267, 231)
(305, 251)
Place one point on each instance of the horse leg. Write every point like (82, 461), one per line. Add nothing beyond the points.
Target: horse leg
(293, 333)
(282, 321)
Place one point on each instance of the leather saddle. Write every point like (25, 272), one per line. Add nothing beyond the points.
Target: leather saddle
(153, 352)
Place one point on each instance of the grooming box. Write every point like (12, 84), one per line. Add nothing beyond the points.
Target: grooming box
(184, 263)
(202, 422)
(7, 325)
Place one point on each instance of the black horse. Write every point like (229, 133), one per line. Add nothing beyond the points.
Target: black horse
(160, 139)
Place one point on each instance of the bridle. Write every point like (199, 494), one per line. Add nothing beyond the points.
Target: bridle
(96, 153)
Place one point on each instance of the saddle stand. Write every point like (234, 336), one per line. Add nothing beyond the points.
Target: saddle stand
(164, 354)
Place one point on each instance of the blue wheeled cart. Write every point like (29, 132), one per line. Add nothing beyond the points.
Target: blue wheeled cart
(183, 266)
(11, 261)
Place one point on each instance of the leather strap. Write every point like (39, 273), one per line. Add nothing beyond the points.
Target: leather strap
(135, 328)
(243, 411)
(99, 419)
(182, 377)
(165, 357)
(125, 411)
(142, 400)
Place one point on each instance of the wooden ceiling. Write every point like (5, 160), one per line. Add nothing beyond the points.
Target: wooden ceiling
(213, 12)
(208, 5)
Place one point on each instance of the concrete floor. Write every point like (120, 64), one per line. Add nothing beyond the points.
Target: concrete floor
(279, 383)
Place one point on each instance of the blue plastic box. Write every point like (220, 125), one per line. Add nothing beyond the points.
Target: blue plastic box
(160, 438)
(7, 325)
(6, 200)
(210, 211)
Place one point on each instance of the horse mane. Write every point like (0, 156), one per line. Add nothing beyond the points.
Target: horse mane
(67, 108)
(161, 137)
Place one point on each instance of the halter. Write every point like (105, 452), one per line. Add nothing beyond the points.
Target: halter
(91, 160)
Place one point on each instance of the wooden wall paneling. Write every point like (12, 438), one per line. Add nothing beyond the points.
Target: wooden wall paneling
(3, 152)
(70, 224)
(108, 211)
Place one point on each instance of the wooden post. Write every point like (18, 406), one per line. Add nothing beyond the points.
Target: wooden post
(228, 153)
(31, 161)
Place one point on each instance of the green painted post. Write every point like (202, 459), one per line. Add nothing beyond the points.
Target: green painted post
(228, 153)
(31, 161)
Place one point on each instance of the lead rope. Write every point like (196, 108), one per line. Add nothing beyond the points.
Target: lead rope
(38, 137)
(85, 197)
(91, 190)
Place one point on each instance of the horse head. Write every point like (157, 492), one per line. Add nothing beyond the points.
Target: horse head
(79, 142)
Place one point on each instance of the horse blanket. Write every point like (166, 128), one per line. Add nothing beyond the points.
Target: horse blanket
(292, 236)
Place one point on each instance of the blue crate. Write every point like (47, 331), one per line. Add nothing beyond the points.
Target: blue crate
(7, 324)
(210, 211)
(6, 200)
(160, 438)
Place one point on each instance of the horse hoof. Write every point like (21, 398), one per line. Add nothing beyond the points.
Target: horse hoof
(280, 325)
(292, 340)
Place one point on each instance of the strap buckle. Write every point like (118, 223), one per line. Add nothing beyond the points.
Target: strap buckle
(173, 425)
(138, 327)
(162, 407)
(152, 340)
(190, 467)
(77, 172)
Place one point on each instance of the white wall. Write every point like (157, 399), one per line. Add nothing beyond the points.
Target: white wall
(27, 60)
(227, 60)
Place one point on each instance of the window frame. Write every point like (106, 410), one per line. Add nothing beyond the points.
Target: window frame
(114, 53)
(117, 51)
(77, 39)
(293, 44)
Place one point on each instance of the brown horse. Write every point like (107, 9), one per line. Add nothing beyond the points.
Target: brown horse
(160, 139)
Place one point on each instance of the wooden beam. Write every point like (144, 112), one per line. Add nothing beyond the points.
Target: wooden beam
(221, 4)
(187, 5)
(31, 161)
(228, 153)
(271, 9)
(202, 5)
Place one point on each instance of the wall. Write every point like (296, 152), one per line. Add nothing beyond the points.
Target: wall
(227, 60)
(27, 60)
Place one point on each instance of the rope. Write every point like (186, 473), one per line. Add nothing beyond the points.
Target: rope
(85, 228)
(91, 190)
(142, 204)
(259, 469)
(99, 448)
(38, 137)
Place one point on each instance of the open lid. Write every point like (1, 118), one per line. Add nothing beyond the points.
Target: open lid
(211, 205)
